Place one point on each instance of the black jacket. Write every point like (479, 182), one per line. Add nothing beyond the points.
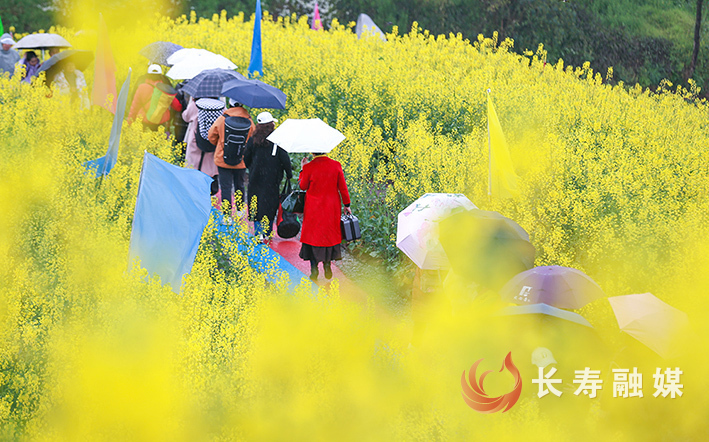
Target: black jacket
(265, 175)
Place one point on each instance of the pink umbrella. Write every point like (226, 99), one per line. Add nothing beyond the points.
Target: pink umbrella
(651, 321)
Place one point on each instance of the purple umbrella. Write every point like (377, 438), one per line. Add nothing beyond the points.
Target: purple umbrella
(561, 287)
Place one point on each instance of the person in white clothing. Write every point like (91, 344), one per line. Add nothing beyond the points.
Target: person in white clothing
(70, 81)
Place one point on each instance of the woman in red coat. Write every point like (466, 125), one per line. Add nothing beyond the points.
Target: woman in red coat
(326, 191)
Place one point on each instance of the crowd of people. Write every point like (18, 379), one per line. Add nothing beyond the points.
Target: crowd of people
(68, 80)
(263, 166)
(196, 122)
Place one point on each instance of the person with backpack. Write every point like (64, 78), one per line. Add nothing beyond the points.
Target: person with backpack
(266, 167)
(153, 100)
(196, 157)
(229, 134)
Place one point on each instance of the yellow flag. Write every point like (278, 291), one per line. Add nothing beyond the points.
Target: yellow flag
(502, 176)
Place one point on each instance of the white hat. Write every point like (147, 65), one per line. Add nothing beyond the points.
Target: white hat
(6, 39)
(154, 69)
(265, 117)
(541, 357)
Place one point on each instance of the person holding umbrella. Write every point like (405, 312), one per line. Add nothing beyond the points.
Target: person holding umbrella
(325, 186)
(231, 178)
(266, 165)
(195, 157)
(325, 189)
(70, 81)
(31, 63)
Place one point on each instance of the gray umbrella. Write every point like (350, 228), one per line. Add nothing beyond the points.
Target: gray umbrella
(208, 84)
(159, 51)
(55, 63)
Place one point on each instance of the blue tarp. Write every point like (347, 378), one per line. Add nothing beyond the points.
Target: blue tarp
(102, 166)
(261, 256)
(171, 213)
(256, 64)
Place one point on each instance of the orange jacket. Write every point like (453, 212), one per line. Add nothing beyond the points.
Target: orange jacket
(216, 136)
(141, 102)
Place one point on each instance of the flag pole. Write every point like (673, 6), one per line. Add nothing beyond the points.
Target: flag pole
(489, 148)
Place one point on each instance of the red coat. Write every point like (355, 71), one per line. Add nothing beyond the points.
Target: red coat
(324, 183)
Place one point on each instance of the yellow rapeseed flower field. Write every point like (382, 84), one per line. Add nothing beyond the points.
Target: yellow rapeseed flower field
(613, 181)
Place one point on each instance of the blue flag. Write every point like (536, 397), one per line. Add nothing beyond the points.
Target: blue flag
(171, 213)
(256, 64)
(102, 166)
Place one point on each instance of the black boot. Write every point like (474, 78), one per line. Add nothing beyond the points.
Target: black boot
(313, 271)
(328, 270)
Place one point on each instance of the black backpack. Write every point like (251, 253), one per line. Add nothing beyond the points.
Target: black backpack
(236, 130)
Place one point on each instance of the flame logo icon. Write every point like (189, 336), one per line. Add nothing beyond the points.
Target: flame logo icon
(474, 393)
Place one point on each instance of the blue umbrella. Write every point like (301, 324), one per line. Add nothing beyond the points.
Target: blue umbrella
(159, 51)
(562, 287)
(254, 93)
(544, 309)
(209, 83)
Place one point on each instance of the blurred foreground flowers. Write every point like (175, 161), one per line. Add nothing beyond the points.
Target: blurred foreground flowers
(612, 182)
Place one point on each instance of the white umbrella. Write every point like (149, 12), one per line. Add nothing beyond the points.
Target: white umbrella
(417, 227)
(651, 321)
(184, 53)
(188, 63)
(42, 41)
(311, 135)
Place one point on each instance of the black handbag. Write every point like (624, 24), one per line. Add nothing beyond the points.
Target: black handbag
(349, 224)
(294, 201)
(289, 225)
